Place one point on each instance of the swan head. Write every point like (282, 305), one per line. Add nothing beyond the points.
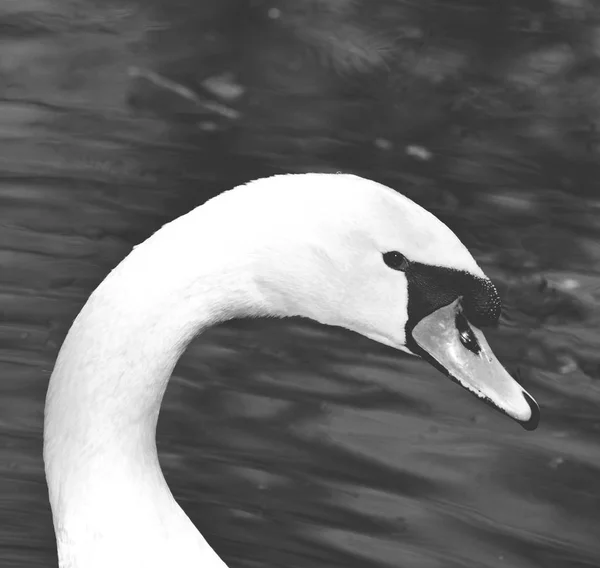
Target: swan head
(350, 252)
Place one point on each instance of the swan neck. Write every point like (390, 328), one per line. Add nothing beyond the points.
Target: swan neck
(108, 383)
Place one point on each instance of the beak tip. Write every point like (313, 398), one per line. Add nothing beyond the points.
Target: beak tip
(534, 419)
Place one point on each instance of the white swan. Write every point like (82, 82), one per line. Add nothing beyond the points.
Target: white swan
(339, 249)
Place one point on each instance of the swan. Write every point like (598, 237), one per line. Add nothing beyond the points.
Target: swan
(337, 248)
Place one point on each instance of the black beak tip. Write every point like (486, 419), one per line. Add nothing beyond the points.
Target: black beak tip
(534, 421)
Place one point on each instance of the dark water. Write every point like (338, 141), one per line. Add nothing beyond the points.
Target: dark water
(287, 443)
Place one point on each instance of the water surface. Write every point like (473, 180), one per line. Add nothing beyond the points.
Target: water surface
(288, 443)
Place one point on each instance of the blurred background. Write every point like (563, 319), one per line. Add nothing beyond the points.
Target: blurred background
(287, 443)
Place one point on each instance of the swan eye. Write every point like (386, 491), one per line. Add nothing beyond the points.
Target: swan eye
(395, 260)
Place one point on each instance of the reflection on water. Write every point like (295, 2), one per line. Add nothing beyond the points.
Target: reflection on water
(287, 443)
(315, 446)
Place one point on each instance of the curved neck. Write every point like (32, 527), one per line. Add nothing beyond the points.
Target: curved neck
(107, 386)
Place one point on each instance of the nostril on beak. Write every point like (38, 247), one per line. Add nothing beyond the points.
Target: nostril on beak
(534, 420)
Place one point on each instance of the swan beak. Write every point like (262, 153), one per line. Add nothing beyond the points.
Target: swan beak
(466, 358)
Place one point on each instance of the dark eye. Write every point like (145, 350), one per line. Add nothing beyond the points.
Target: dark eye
(395, 260)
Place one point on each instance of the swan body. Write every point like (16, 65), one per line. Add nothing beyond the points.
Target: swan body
(312, 245)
